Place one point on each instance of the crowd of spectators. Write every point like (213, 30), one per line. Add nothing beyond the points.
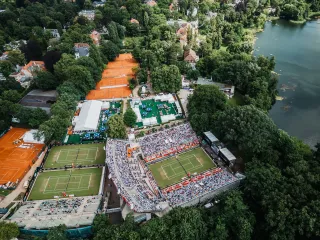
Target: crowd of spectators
(168, 142)
(197, 189)
(129, 177)
(41, 214)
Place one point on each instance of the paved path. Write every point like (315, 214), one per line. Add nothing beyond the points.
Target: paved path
(15, 193)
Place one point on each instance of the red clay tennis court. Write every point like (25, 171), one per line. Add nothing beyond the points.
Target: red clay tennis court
(16, 158)
(109, 93)
(114, 82)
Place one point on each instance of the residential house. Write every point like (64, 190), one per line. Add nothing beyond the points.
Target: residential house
(227, 89)
(81, 50)
(28, 72)
(134, 21)
(96, 37)
(2, 78)
(184, 27)
(54, 32)
(151, 3)
(190, 56)
(4, 56)
(14, 45)
(89, 14)
(98, 3)
(211, 14)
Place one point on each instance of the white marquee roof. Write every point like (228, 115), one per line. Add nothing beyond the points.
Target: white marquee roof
(89, 116)
(29, 138)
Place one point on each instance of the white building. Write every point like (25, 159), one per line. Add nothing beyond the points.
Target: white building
(88, 119)
(89, 14)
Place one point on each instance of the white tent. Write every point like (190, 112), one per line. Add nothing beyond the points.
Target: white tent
(89, 116)
(137, 112)
(164, 98)
(29, 138)
(149, 121)
(167, 118)
(105, 105)
(178, 107)
(131, 137)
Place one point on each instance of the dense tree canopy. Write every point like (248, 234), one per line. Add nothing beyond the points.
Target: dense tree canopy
(116, 127)
(166, 79)
(130, 117)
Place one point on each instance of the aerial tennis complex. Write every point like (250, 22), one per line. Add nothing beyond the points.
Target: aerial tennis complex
(165, 169)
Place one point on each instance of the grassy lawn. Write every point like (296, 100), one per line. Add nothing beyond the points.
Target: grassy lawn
(83, 154)
(5, 192)
(80, 182)
(237, 100)
(172, 170)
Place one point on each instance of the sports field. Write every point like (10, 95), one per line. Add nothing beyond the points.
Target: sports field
(80, 182)
(82, 154)
(16, 156)
(172, 170)
(114, 82)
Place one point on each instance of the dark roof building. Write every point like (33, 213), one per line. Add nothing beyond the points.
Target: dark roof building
(39, 99)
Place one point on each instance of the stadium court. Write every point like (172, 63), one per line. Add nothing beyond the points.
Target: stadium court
(174, 169)
(77, 182)
(82, 154)
(16, 156)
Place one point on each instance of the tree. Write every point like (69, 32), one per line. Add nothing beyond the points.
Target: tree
(116, 128)
(5, 68)
(11, 95)
(109, 50)
(246, 127)
(89, 63)
(32, 50)
(53, 129)
(57, 233)
(50, 59)
(16, 58)
(46, 80)
(166, 79)
(130, 117)
(81, 78)
(8, 230)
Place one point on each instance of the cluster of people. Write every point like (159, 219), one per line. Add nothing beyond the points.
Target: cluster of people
(127, 176)
(168, 142)
(197, 189)
(57, 207)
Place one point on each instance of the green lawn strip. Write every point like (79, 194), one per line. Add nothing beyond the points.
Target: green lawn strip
(56, 182)
(5, 192)
(82, 154)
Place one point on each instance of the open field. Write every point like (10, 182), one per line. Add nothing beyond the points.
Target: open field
(16, 158)
(80, 182)
(83, 154)
(172, 170)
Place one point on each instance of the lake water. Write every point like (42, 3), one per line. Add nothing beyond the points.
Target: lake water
(297, 52)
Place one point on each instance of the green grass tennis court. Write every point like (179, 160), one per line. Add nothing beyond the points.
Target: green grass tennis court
(172, 170)
(82, 154)
(80, 182)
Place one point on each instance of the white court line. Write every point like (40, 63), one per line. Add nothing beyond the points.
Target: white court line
(46, 185)
(89, 181)
(164, 172)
